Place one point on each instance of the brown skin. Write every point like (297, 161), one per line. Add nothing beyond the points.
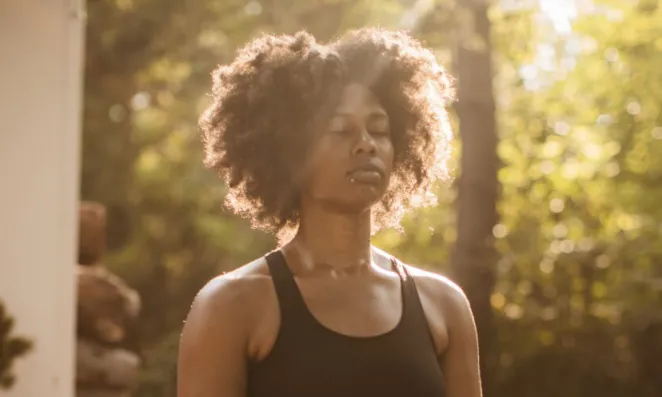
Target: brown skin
(347, 284)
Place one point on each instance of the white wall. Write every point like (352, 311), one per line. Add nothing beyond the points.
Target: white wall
(40, 98)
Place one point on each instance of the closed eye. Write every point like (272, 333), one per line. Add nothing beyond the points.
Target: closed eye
(344, 131)
(382, 132)
(378, 124)
(379, 127)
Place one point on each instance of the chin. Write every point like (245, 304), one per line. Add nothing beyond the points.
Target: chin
(362, 199)
(357, 199)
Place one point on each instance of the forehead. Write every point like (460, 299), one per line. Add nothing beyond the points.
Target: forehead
(357, 98)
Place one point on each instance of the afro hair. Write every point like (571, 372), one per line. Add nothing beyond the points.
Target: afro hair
(256, 129)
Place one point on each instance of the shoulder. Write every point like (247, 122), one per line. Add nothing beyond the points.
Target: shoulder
(218, 332)
(444, 295)
(438, 291)
(244, 280)
(436, 285)
(233, 297)
(445, 306)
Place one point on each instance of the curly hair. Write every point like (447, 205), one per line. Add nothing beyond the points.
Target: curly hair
(256, 130)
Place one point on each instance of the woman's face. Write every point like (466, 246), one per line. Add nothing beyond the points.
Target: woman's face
(351, 157)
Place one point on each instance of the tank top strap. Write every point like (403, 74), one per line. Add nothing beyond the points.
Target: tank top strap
(410, 294)
(415, 317)
(290, 301)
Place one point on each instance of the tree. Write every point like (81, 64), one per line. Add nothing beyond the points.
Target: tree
(474, 257)
(577, 293)
(578, 125)
(11, 348)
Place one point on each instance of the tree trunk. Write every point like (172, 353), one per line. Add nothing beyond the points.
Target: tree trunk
(474, 256)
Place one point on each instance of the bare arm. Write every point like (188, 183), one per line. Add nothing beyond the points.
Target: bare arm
(212, 352)
(460, 363)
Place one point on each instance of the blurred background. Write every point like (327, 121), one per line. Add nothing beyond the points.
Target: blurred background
(574, 286)
(552, 224)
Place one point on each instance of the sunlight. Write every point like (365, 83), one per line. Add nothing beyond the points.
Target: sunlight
(415, 13)
(560, 13)
(167, 165)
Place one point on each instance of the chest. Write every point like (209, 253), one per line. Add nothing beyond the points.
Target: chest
(358, 306)
(355, 308)
(373, 367)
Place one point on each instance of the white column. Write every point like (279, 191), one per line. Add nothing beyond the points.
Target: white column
(41, 46)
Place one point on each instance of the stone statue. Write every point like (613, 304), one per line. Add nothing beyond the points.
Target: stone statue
(107, 363)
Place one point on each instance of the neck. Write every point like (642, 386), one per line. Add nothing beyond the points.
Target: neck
(332, 240)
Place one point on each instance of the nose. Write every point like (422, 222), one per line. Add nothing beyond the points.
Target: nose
(365, 145)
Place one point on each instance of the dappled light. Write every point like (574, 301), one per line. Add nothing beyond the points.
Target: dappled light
(575, 253)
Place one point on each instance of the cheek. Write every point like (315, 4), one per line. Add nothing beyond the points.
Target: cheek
(388, 153)
(324, 166)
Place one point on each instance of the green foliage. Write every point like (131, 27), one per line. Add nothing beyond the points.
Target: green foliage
(158, 379)
(11, 348)
(579, 279)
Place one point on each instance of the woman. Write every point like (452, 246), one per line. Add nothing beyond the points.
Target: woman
(324, 145)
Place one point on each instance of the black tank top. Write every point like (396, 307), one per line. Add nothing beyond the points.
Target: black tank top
(309, 360)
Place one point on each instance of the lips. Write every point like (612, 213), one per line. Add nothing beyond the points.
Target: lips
(367, 174)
